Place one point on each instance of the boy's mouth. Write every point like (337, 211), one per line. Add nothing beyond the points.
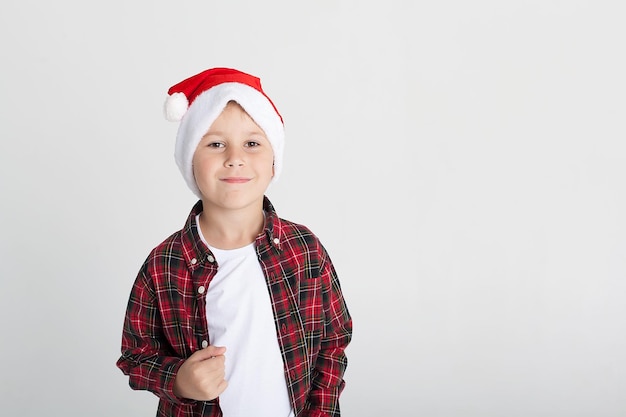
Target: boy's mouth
(235, 180)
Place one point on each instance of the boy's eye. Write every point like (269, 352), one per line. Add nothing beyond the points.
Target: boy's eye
(215, 145)
(252, 143)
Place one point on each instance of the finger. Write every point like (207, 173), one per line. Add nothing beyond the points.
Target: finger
(222, 387)
(214, 391)
(214, 365)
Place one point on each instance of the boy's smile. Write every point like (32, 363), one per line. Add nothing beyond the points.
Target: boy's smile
(235, 180)
(233, 163)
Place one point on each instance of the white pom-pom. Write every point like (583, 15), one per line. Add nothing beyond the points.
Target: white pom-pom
(175, 107)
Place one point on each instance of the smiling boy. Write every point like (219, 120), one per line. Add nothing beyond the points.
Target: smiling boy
(240, 313)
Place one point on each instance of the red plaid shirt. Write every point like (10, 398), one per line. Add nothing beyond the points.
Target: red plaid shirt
(166, 317)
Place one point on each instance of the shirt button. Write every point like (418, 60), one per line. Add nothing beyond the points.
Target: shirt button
(276, 240)
(201, 290)
(194, 261)
(205, 344)
(283, 328)
(210, 258)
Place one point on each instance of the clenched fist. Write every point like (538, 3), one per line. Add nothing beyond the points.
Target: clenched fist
(201, 376)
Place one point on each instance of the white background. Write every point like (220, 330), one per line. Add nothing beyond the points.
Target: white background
(463, 162)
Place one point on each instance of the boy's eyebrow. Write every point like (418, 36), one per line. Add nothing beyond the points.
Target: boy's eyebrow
(257, 131)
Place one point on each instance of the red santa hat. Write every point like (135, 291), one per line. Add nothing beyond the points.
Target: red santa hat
(198, 100)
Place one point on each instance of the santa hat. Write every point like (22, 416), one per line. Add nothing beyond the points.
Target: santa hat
(197, 101)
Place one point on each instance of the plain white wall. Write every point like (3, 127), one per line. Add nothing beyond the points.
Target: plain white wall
(463, 162)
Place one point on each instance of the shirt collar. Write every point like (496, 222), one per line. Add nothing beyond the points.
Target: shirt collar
(196, 252)
(273, 227)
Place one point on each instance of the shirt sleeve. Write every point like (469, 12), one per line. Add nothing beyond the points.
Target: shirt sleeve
(327, 382)
(146, 357)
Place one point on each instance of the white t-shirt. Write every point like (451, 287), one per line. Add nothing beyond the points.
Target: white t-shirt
(240, 317)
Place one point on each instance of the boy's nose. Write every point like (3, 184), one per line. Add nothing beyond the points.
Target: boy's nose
(234, 159)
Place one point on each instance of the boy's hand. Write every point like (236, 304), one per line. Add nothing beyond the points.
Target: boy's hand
(201, 376)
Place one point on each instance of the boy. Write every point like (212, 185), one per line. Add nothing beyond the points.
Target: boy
(240, 313)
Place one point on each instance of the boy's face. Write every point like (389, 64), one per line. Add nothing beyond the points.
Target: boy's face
(234, 161)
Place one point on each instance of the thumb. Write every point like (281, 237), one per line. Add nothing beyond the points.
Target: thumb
(209, 352)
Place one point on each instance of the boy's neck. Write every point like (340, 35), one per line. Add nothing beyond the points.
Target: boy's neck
(231, 229)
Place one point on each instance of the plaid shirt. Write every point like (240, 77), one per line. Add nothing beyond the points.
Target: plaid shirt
(166, 317)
